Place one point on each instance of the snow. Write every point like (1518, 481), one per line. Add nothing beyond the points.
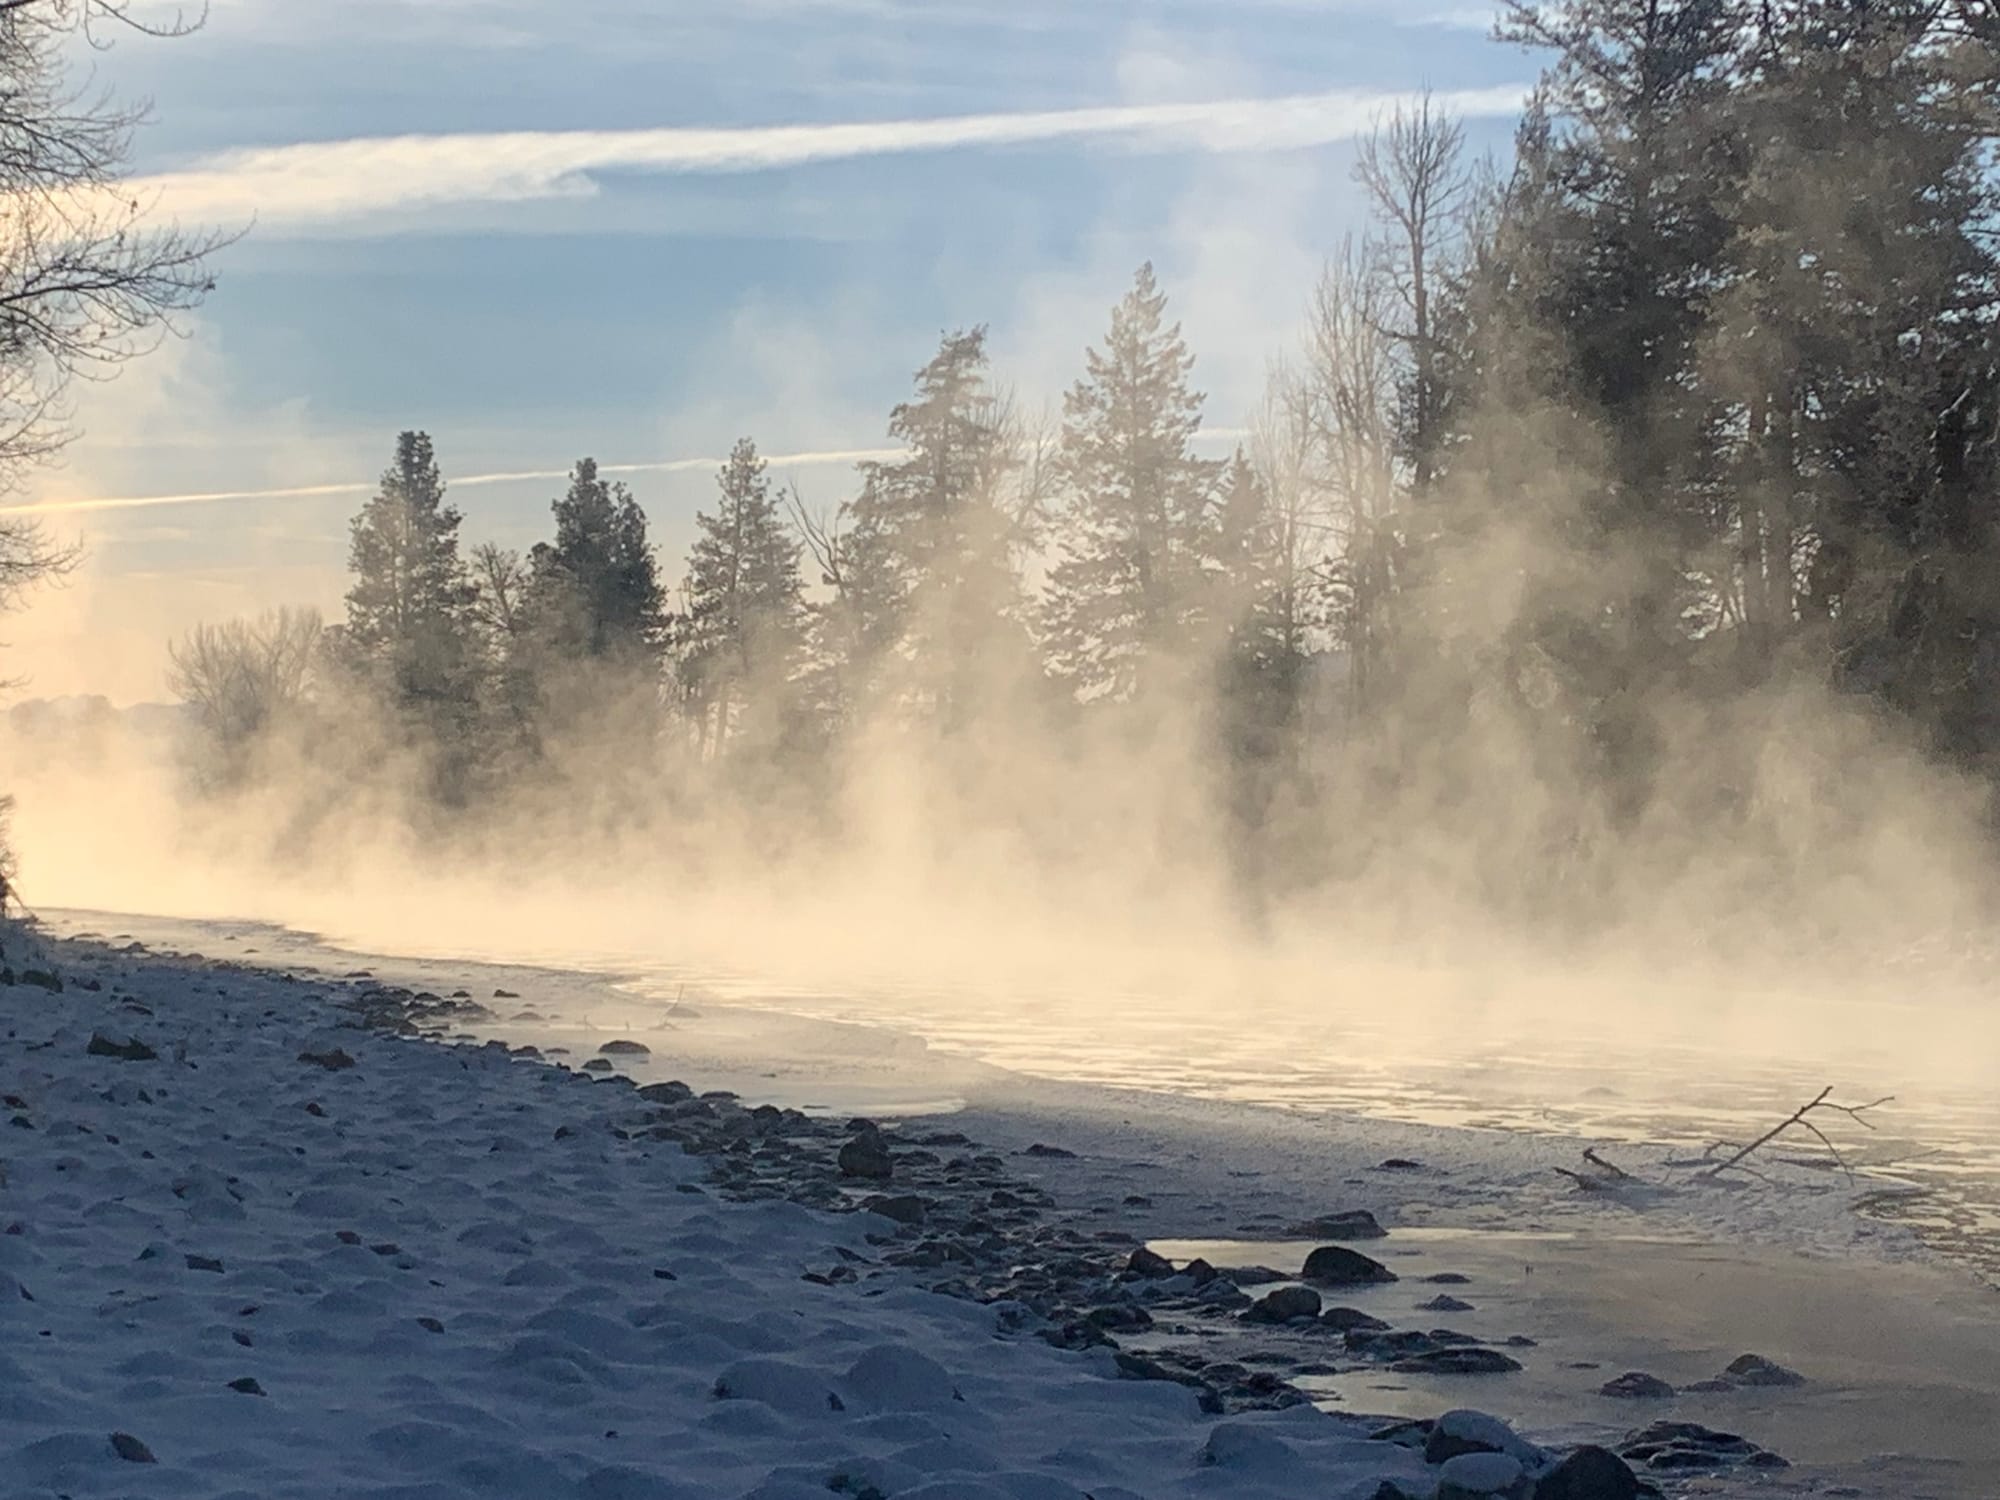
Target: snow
(532, 1237)
(449, 1282)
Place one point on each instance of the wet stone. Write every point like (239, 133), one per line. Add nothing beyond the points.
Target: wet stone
(1283, 1305)
(1637, 1385)
(1336, 1265)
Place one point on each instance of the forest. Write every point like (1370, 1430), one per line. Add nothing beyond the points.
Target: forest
(1624, 499)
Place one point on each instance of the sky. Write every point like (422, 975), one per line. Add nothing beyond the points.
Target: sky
(639, 229)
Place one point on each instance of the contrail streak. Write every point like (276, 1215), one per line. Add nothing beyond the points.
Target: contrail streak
(330, 182)
(357, 487)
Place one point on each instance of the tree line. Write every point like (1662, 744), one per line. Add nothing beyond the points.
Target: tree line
(1584, 464)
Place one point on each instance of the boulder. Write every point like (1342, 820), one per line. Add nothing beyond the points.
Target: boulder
(1460, 1432)
(1464, 1359)
(1351, 1224)
(1754, 1369)
(1149, 1264)
(623, 1048)
(1476, 1476)
(1636, 1385)
(1283, 1305)
(1336, 1265)
(1589, 1474)
(866, 1156)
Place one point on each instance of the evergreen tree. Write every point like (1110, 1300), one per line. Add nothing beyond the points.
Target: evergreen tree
(929, 595)
(595, 591)
(1140, 525)
(1856, 351)
(1626, 179)
(740, 636)
(409, 628)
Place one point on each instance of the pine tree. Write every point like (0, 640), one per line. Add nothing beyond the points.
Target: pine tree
(739, 639)
(929, 594)
(409, 629)
(1140, 524)
(1855, 351)
(595, 591)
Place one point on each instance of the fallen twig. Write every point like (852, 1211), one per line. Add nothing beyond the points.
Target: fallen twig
(1799, 1118)
(1606, 1176)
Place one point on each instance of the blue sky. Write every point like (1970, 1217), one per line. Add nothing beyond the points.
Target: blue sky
(639, 230)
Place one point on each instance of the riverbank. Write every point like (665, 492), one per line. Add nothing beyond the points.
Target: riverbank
(1120, 1166)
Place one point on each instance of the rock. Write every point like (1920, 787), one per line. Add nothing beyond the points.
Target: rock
(1463, 1359)
(1636, 1385)
(1350, 1320)
(1120, 1317)
(1152, 1266)
(1474, 1476)
(1589, 1474)
(1461, 1432)
(333, 1059)
(1400, 1164)
(598, 1065)
(1336, 1265)
(1256, 1275)
(1050, 1153)
(1354, 1224)
(1413, 1435)
(671, 1092)
(904, 1208)
(1681, 1447)
(246, 1386)
(204, 1263)
(505, 995)
(623, 1048)
(866, 1156)
(131, 1449)
(126, 1049)
(430, 1325)
(1446, 1278)
(1283, 1305)
(1754, 1369)
(1444, 1303)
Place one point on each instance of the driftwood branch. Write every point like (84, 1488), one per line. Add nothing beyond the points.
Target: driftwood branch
(1800, 1118)
(1604, 1176)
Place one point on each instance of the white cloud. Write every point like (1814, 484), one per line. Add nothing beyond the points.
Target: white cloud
(336, 183)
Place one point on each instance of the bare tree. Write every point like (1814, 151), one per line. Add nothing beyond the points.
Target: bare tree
(86, 282)
(1342, 410)
(244, 676)
(1412, 168)
(819, 529)
(501, 578)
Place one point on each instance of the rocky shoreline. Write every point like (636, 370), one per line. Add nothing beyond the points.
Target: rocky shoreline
(966, 1226)
(940, 1213)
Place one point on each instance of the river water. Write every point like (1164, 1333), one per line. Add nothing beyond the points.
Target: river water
(1454, 1049)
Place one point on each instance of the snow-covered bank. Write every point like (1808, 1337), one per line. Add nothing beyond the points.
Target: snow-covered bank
(228, 1271)
(531, 1235)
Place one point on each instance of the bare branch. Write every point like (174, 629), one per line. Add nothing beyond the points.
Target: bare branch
(1799, 1119)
